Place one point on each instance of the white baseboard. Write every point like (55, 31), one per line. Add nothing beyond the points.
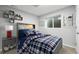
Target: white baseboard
(77, 51)
(69, 46)
(0, 50)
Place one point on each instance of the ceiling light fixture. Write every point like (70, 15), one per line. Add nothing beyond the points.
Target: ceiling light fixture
(36, 5)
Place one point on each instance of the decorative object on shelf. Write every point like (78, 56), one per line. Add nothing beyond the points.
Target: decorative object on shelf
(11, 12)
(9, 29)
(8, 45)
(5, 15)
(12, 16)
(11, 20)
(70, 20)
(18, 17)
(6, 48)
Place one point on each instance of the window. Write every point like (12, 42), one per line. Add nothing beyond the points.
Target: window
(54, 22)
(50, 23)
(57, 23)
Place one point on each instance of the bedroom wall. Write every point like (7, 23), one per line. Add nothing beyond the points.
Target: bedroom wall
(27, 18)
(66, 32)
(77, 28)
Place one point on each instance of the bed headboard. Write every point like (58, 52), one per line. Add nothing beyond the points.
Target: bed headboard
(25, 26)
(21, 26)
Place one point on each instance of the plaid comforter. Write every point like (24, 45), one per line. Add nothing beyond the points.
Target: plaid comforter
(36, 44)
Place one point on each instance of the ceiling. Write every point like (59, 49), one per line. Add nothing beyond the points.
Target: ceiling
(39, 10)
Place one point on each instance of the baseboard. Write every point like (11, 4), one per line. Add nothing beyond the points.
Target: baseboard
(69, 46)
(77, 51)
(0, 50)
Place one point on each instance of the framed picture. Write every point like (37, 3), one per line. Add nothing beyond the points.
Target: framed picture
(70, 20)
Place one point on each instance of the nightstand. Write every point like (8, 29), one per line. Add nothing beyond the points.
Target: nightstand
(8, 44)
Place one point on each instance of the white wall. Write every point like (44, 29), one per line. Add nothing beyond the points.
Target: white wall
(27, 18)
(66, 32)
(77, 30)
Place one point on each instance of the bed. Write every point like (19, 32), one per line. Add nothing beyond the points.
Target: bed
(31, 41)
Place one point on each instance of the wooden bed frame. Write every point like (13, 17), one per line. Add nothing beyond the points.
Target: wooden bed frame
(25, 24)
(58, 46)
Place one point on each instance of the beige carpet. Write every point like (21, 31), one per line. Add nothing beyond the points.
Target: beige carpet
(64, 50)
(67, 50)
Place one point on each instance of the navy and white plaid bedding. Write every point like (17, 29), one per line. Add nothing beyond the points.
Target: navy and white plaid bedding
(38, 44)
